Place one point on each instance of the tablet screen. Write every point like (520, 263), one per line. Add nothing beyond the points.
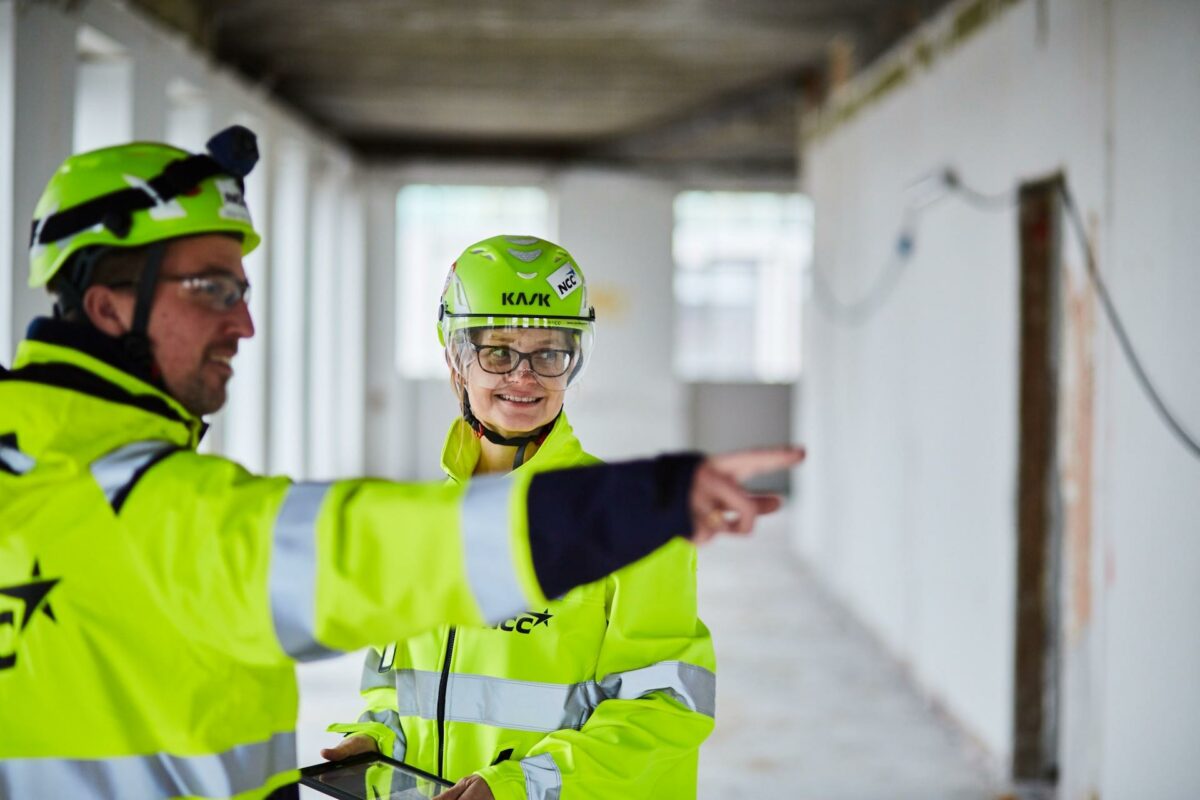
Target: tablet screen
(371, 776)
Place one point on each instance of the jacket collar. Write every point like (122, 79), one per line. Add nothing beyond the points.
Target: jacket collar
(461, 451)
(79, 358)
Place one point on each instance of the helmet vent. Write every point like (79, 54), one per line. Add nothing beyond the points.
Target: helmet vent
(525, 255)
(522, 240)
(479, 251)
(527, 275)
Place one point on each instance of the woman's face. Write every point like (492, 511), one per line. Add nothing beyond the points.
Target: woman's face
(516, 402)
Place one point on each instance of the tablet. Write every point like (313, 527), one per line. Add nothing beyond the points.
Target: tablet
(371, 776)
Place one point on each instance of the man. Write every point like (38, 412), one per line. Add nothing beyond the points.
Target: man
(153, 600)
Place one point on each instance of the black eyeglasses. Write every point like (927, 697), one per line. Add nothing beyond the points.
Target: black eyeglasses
(220, 291)
(500, 359)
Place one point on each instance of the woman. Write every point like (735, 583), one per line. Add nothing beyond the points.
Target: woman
(608, 691)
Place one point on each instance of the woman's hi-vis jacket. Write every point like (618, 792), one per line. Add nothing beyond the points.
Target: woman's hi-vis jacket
(153, 600)
(606, 692)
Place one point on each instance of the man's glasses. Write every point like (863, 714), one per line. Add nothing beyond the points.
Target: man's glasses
(500, 359)
(219, 291)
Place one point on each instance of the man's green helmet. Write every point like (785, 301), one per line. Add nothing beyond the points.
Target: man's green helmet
(515, 282)
(135, 194)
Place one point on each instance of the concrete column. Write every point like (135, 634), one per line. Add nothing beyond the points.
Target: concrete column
(245, 415)
(289, 269)
(350, 265)
(322, 327)
(155, 60)
(619, 227)
(390, 400)
(150, 76)
(8, 27)
(41, 73)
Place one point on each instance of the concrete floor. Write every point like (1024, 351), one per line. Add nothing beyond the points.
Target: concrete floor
(808, 706)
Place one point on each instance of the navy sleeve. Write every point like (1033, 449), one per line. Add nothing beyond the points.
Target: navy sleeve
(587, 522)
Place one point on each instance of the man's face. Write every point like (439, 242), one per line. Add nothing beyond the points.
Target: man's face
(193, 339)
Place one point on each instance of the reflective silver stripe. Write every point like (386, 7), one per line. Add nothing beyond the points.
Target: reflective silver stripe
(532, 706)
(15, 461)
(391, 720)
(490, 569)
(691, 685)
(294, 572)
(372, 677)
(416, 692)
(150, 777)
(543, 781)
(115, 471)
(504, 703)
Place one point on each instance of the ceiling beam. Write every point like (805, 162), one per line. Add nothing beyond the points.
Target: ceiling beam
(780, 93)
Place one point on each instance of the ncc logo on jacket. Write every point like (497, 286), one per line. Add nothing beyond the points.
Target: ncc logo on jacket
(32, 593)
(526, 622)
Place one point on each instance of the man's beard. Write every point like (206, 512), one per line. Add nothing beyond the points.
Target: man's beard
(199, 397)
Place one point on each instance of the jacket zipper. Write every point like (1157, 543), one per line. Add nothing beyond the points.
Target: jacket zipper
(441, 707)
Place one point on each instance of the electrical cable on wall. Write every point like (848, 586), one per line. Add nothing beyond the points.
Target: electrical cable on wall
(865, 307)
(1114, 319)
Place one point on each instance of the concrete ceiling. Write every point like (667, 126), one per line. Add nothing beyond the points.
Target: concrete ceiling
(709, 84)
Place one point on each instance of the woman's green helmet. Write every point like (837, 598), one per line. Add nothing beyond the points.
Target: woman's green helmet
(135, 194)
(515, 282)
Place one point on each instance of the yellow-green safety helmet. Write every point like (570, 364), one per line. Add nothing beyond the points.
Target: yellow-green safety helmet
(515, 282)
(135, 194)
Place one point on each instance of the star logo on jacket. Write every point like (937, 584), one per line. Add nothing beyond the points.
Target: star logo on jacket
(32, 594)
(526, 622)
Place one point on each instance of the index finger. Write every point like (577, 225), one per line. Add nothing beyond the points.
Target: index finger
(743, 464)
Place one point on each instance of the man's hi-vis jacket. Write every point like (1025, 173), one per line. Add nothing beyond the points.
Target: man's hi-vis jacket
(153, 600)
(606, 692)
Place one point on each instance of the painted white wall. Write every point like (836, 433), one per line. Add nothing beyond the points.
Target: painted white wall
(911, 417)
(1147, 503)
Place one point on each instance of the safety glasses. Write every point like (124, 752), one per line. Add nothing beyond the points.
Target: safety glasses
(219, 291)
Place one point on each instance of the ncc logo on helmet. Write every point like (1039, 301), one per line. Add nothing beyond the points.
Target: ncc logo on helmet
(564, 280)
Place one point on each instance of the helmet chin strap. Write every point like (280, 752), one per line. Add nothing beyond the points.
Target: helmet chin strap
(136, 342)
(520, 442)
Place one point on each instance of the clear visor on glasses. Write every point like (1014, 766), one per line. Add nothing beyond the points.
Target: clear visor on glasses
(493, 355)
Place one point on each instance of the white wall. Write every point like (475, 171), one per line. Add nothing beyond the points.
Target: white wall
(1147, 503)
(910, 488)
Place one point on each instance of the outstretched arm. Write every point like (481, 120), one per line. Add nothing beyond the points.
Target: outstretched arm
(357, 562)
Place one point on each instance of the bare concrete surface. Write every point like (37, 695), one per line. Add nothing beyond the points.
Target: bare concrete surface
(809, 707)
